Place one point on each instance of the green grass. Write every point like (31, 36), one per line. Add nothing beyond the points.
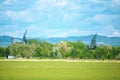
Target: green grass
(59, 70)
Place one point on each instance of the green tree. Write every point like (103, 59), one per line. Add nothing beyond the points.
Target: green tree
(61, 50)
(33, 41)
(21, 50)
(2, 52)
(78, 50)
(44, 50)
(116, 50)
(117, 57)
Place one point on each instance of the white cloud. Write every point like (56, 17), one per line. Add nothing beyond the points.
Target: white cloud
(116, 33)
(62, 3)
(109, 30)
(9, 2)
(37, 31)
(9, 27)
(60, 32)
(65, 32)
(13, 34)
(19, 15)
(74, 7)
(66, 16)
(12, 30)
(44, 4)
(116, 2)
(49, 4)
(95, 1)
(101, 18)
(46, 16)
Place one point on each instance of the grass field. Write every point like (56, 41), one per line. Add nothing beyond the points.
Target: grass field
(59, 70)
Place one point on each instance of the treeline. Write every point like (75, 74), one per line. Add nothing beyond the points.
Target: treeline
(62, 50)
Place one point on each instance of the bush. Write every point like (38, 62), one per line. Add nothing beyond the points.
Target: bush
(21, 50)
(43, 49)
(2, 52)
(117, 57)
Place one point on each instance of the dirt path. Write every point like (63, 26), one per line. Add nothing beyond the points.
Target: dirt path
(64, 60)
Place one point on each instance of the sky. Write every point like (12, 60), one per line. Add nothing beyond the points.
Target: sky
(59, 18)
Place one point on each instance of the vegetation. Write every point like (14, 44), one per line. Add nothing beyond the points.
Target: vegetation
(64, 50)
(59, 70)
(2, 52)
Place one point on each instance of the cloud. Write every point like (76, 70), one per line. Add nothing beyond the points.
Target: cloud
(8, 28)
(13, 34)
(96, 1)
(101, 18)
(108, 30)
(12, 30)
(62, 3)
(9, 2)
(61, 17)
(116, 2)
(116, 33)
(104, 19)
(112, 30)
(36, 30)
(65, 32)
(60, 32)
(18, 15)
(44, 5)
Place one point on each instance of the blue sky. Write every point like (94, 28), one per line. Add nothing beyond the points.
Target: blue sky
(59, 18)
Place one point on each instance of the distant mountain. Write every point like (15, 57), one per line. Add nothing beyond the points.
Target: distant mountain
(115, 41)
(5, 41)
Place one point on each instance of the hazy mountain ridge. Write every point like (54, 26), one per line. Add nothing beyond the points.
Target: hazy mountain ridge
(115, 41)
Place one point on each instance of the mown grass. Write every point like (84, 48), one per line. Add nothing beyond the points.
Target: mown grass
(59, 70)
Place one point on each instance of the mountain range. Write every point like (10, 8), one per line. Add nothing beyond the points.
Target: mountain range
(114, 41)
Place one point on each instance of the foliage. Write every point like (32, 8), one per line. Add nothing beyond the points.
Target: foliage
(78, 50)
(21, 50)
(43, 49)
(2, 52)
(117, 57)
(32, 41)
(61, 50)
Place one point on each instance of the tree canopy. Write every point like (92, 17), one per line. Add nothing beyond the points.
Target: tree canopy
(63, 49)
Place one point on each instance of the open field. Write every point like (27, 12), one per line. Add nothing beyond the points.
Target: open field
(59, 70)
